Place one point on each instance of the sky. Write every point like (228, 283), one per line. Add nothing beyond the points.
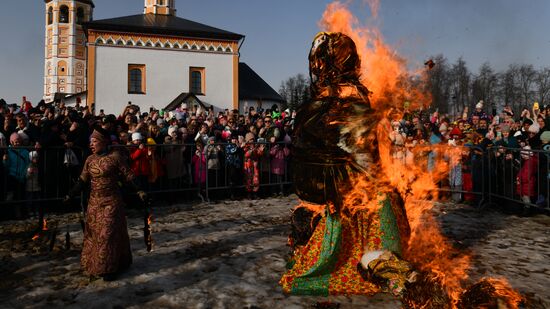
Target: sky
(279, 33)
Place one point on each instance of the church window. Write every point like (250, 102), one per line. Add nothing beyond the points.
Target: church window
(80, 16)
(64, 14)
(161, 2)
(136, 78)
(78, 89)
(62, 89)
(50, 15)
(197, 80)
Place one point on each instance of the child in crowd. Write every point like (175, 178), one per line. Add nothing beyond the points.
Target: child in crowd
(32, 187)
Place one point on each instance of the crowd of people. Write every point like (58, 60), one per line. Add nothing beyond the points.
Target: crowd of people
(506, 151)
(189, 147)
(195, 147)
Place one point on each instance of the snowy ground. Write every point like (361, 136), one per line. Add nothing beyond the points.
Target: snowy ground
(232, 254)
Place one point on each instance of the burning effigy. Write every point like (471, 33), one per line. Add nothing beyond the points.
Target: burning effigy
(364, 224)
(335, 145)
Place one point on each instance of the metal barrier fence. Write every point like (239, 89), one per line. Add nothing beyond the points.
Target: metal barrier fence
(216, 171)
(495, 176)
(518, 176)
(29, 176)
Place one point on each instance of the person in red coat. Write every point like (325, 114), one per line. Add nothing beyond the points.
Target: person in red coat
(139, 160)
(527, 176)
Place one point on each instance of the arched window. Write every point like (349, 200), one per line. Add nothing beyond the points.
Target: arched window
(80, 16)
(50, 15)
(64, 14)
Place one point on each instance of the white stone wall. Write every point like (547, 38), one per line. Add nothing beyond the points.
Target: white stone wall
(167, 75)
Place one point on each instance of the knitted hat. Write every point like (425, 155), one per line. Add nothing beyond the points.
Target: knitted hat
(160, 121)
(137, 136)
(443, 128)
(151, 141)
(456, 131)
(545, 137)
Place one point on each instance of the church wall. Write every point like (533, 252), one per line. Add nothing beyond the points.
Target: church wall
(167, 75)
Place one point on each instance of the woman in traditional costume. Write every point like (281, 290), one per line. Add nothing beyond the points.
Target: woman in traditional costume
(355, 247)
(106, 249)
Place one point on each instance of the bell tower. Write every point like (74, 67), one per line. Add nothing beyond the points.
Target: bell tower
(160, 7)
(65, 46)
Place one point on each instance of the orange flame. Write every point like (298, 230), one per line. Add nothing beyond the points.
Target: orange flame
(36, 236)
(505, 292)
(45, 225)
(149, 219)
(385, 74)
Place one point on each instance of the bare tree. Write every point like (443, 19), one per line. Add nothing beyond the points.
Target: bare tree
(526, 80)
(295, 90)
(510, 91)
(438, 83)
(542, 84)
(459, 86)
(485, 85)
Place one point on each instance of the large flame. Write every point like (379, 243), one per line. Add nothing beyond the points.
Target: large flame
(385, 74)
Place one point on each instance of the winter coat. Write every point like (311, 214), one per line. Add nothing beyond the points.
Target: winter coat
(17, 163)
(139, 162)
(278, 155)
(199, 163)
(527, 177)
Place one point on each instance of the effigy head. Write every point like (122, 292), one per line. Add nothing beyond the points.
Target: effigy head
(333, 59)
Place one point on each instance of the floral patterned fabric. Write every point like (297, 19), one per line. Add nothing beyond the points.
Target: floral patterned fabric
(327, 264)
(106, 248)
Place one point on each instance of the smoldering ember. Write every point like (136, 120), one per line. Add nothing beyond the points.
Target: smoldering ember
(161, 171)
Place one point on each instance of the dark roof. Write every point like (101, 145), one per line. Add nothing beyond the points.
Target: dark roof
(186, 97)
(163, 25)
(253, 87)
(90, 2)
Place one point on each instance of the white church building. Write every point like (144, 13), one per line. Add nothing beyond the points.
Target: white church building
(150, 59)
